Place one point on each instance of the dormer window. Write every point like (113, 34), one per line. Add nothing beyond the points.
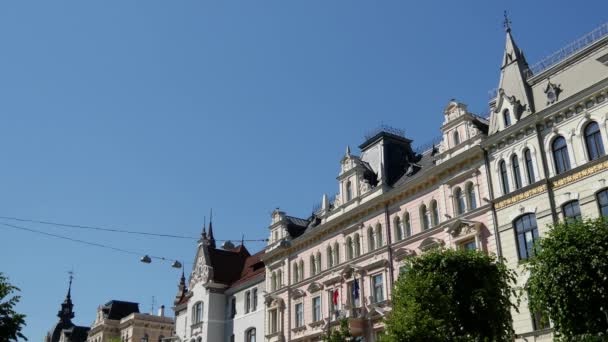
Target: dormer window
(506, 116)
(349, 191)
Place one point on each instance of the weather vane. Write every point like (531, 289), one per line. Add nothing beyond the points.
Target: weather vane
(507, 22)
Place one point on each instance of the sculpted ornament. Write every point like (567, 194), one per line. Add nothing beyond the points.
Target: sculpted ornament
(206, 274)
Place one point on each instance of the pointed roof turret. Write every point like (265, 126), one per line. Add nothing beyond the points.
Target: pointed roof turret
(211, 238)
(66, 313)
(182, 290)
(514, 92)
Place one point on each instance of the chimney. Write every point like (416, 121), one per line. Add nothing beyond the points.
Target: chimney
(161, 311)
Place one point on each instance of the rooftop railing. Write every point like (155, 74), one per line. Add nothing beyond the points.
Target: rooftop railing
(569, 50)
(384, 128)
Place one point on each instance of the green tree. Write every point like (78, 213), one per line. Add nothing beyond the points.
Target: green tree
(450, 295)
(11, 322)
(338, 335)
(569, 279)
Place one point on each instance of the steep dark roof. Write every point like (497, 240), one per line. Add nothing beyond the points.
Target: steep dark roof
(227, 264)
(253, 267)
(77, 333)
(296, 226)
(426, 162)
(117, 309)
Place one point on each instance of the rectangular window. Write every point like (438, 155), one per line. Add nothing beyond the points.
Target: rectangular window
(247, 301)
(233, 307)
(197, 313)
(299, 315)
(274, 321)
(468, 245)
(316, 309)
(378, 288)
(526, 231)
(254, 294)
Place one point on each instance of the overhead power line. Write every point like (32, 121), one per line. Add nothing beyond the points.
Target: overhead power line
(82, 241)
(116, 230)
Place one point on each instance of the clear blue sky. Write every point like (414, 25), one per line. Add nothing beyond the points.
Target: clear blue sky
(144, 114)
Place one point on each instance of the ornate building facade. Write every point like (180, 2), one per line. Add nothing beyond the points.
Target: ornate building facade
(120, 320)
(223, 299)
(546, 150)
(493, 184)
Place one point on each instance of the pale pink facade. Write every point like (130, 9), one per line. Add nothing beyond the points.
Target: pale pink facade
(392, 204)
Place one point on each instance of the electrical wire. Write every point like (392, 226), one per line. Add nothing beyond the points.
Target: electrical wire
(83, 241)
(116, 230)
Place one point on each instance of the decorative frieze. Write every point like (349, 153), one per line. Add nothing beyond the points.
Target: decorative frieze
(520, 197)
(580, 175)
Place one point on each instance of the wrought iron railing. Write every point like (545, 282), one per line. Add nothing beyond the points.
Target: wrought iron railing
(569, 50)
(384, 128)
(434, 142)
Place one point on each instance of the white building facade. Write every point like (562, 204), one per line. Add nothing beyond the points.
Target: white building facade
(223, 299)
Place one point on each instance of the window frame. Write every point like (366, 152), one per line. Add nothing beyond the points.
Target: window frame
(561, 164)
(377, 287)
(599, 204)
(596, 141)
(517, 180)
(506, 118)
(504, 176)
(529, 161)
(299, 314)
(569, 206)
(521, 236)
(316, 310)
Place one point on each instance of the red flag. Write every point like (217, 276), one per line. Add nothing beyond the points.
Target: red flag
(336, 297)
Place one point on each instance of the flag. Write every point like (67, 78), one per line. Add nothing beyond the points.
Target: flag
(355, 290)
(335, 297)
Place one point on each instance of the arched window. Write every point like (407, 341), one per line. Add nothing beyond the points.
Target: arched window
(560, 155)
(279, 279)
(516, 172)
(460, 201)
(398, 229)
(250, 335)
(330, 258)
(434, 213)
(296, 273)
(371, 241)
(504, 177)
(379, 240)
(471, 197)
(407, 225)
(350, 249)
(506, 116)
(357, 245)
(313, 267)
(593, 141)
(336, 254)
(349, 191)
(602, 202)
(424, 217)
(318, 262)
(529, 166)
(526, 231)
(456, 138)
(301, 270)
(571, 211)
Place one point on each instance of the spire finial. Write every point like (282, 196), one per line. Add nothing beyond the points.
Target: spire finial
(71, 273)
(507, 22)
(211, 238)
(204, 234)
(347, 150)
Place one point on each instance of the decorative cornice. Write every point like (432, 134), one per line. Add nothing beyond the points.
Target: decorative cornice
(580, 175)
(520, 197)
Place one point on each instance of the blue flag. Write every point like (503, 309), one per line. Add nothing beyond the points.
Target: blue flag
(355, 289)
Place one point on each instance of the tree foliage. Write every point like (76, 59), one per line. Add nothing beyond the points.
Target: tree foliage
(449, 295)
(569, 279)
(338, 335)
(11, 322)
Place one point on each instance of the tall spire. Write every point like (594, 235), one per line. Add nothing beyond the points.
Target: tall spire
(182, 290)
(66, 313)
(211, 238)
(204, 233)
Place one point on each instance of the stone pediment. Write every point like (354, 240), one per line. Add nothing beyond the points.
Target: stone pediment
(463, 227)
(314, 287)
(403, 253)
(431, 243)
